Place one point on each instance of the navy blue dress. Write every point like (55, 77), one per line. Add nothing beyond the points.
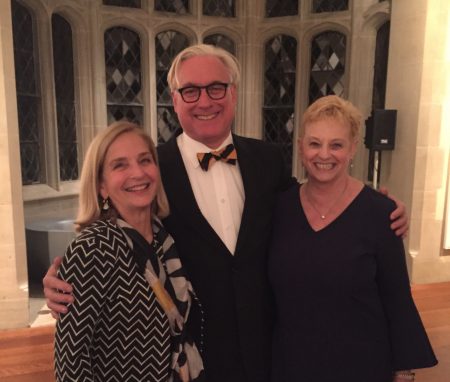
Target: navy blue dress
(344, 306)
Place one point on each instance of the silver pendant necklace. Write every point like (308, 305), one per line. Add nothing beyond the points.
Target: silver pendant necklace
(324, 215)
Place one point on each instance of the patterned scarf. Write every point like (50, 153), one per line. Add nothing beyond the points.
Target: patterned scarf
(160, 264)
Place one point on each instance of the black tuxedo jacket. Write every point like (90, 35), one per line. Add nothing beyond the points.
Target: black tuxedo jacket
(233, 289)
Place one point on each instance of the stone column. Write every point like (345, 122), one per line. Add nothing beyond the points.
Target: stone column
(13, 264)
(417, 170)
(250, 116)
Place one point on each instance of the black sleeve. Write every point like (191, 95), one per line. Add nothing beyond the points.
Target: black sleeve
(410, 346)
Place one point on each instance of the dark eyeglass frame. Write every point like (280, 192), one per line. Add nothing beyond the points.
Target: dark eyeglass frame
(208, 89)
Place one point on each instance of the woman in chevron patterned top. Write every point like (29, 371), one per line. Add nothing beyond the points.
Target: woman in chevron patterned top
(127, 321)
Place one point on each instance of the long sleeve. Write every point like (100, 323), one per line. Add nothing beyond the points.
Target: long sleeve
(410, 346)
(87, 268)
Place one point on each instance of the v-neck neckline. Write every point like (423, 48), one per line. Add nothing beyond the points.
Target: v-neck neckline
(336, 219)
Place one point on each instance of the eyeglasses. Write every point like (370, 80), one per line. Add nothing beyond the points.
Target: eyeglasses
(215, 91)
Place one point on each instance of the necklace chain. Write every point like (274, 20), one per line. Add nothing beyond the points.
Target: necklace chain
(323, 216)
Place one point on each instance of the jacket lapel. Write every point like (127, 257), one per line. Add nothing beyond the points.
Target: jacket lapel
(248, 166)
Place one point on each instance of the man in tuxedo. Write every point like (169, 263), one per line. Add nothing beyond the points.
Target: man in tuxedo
(221, 189)
(220, 218)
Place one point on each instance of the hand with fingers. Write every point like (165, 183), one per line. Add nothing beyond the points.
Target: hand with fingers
(58, 294)
(399, 217)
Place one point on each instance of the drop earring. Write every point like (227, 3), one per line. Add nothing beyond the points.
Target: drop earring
(105, 205)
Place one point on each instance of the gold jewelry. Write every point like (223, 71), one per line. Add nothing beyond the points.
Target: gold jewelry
(324, 215)
(406, 375)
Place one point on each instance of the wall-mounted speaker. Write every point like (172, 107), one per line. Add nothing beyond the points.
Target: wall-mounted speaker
(380, 130)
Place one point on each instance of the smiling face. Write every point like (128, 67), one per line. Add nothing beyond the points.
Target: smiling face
(326, 149)
(207, 121)
(130, 176)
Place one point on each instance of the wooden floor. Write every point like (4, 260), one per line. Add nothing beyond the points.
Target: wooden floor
(433, 302)
(26, 354)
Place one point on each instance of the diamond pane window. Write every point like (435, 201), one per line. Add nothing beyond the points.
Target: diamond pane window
(380, 67)
(224, 8)
(327, 65)
(329, 5)
(279, 92)
(221, 41)
(167, 45)
(123, 3)
(65, 98)
(175, 6)
(278, 8)
(28, 95)
(123, 75)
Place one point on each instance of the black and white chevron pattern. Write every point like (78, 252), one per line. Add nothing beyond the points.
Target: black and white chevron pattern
(115, 330)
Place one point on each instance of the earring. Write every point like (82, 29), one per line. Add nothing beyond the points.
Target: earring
(105, 204)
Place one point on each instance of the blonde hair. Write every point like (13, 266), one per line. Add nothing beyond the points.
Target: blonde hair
(89, 209)
(333, 107)
(231, 63)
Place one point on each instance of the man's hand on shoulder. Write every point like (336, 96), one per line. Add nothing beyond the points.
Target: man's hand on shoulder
(399, 217)
(58, 293)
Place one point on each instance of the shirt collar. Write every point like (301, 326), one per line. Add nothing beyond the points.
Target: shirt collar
(191, 147)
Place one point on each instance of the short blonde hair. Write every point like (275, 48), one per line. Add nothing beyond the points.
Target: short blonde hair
(333, 107)
(89, 199)
(230, 62)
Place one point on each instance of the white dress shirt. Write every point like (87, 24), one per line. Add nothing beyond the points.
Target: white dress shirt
(219, 192)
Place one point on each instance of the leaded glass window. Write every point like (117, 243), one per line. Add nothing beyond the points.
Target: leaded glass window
(224, 8)
(123, 75)
(327, 65)
(65, 98)
(380, 67)
(175, 6)
(278, 8)
(28, 95)
(123, 3)
(279, 92)
(221, 41)
(167, 45)
(329, 5)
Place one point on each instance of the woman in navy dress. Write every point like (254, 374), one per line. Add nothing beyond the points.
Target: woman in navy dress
(344, 307)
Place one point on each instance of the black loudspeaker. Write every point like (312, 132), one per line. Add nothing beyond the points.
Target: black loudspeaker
(380, 130)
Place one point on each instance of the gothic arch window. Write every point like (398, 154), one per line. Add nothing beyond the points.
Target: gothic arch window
(380, 67)
(221, 41)
(123, 75)
(319, 6)
(65, 98)
(28, 95)
(223, 8)
(279, 8)
(279, 92)
(178, 6)
(167, 45)
(328, 51)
